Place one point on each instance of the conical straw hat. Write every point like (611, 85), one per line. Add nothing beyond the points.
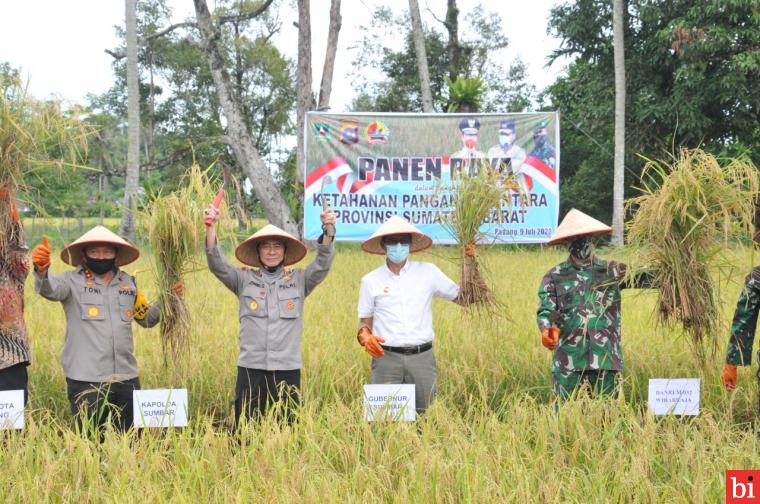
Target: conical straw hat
(247, 252)
(575, 224)
(396, 225)
(73, 253)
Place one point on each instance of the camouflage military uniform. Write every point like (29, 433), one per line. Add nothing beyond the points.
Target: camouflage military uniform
(745, 321)
(584, 303)
(546, 154)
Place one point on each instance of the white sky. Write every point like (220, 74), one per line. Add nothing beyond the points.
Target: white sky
(59, 44)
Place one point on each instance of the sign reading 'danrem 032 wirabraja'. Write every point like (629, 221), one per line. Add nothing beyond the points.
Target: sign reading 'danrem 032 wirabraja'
(368, 167)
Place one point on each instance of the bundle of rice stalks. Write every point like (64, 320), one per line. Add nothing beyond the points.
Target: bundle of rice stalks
(688, 211)
(33, 136)
(478, 196)
(175, 230)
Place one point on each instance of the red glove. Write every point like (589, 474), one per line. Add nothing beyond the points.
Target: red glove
(729, 376)
(41, 255)
(370, 342)
(550, 337)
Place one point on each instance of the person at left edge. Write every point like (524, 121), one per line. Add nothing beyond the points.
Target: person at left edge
(271, 300)
(100, 302)
(14, 268)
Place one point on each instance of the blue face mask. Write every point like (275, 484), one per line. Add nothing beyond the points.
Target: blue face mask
(504, 140)
(397, 253)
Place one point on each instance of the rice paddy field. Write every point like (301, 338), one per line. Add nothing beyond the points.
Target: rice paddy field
(493, 434)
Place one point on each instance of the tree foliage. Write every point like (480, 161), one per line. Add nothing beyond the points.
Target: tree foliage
(181, 116)
(690, 73)
(387, 78)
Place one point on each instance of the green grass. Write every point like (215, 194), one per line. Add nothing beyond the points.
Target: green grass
(491, 436)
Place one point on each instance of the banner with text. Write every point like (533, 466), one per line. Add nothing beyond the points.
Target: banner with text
(368, 167)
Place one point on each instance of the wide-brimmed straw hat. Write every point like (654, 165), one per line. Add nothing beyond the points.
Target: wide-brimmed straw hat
(575, 224)
(73, 253)
(393, 226)
(247, 252)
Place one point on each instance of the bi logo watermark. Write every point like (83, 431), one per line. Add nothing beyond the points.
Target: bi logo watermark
(742, 487)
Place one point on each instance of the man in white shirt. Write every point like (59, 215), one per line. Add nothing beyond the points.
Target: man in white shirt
(395, 309)
(508, 152)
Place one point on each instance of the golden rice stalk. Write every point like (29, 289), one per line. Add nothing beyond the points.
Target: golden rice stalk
(176, 232)
(688, 210)
(34, 135)
(478, 195)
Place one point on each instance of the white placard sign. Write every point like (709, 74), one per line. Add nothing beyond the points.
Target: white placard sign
(160, 408)
(12, 409)
(676, 396)
(392, 401)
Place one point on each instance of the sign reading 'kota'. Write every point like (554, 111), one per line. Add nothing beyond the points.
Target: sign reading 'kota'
(12, 409)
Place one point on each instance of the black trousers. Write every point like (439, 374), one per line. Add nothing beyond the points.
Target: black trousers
(15, 378)
(257, 389)
(92, 403)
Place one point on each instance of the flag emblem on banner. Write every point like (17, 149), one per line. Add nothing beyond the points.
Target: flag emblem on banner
(337, 171)
(349, 132)
(377, 132)
(321, 131)
(536, 170)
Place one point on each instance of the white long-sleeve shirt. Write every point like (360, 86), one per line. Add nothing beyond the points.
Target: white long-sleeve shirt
(401, 305)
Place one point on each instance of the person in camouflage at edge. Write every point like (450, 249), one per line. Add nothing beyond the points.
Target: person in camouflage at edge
(542, 149)
(743, 328)
(579, 311)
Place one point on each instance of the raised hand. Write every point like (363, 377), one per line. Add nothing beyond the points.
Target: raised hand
(41, 255)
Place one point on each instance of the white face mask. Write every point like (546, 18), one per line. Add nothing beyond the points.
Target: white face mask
(505, 141)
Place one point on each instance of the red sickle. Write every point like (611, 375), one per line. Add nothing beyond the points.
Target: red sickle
(217, 201)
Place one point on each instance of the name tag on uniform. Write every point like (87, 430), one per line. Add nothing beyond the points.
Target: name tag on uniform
(676, 396)
(389, 402)
(12, 409)
(155, 408)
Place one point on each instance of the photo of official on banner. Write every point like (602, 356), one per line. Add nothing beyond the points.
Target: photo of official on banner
(370, 166)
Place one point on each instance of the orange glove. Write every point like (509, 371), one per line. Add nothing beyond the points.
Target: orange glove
(41, 255)
(550, 337)
(729, 376)
(179, 287)
(469, 250)
(5, 194)
(370, 342)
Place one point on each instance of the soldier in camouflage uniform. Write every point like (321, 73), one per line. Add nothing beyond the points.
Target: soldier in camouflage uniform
(579, 311)
(743, 328)
(543, 150)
